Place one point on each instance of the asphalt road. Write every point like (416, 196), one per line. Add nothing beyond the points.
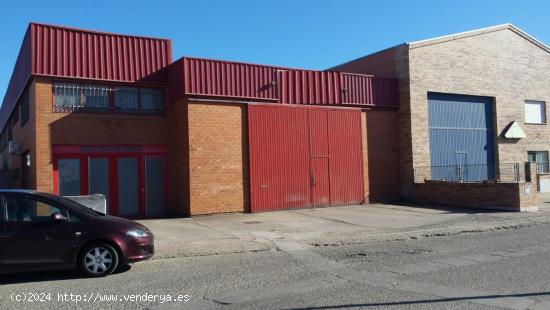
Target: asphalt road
(505, 269)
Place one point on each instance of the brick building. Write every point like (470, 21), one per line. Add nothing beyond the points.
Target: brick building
(475, 101)
(90, 112)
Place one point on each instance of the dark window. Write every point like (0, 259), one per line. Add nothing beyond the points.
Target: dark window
(24, 109)
(95, 97)
(4, 139)
(22, 209)
(126, 99)
(541, 160)
(151, 100)
(69, 97)
(15, 115)
(69, 176)
(10, 131)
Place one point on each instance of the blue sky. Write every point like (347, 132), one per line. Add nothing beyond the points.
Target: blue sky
(312, 34)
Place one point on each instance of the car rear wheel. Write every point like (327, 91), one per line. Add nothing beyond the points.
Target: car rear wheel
(98, 259)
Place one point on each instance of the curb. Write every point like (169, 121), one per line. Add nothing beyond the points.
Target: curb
(364, 238)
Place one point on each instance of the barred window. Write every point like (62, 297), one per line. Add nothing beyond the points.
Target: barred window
(95, 97)
(69, 97)
(66, 96)
(72, 97)
(126, 99)
(151, 100)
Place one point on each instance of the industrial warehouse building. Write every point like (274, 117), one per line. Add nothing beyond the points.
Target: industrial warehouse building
(432, 121)
(88, 112)
(475, 100)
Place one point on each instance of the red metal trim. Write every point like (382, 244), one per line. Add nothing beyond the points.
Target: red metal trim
(113, 184)
(55, 176)
(141, 184)
(108, 149)
(84, 176)
(83, 155)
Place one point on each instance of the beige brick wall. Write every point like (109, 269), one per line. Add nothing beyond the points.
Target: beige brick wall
(218, 164)
(499, 64)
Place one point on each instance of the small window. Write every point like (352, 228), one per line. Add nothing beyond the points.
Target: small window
(70, 97)
(22, 209)
(126, 99)
(69, 176)
(15, 115)
(535, 112)
(24, 109)
(151, 100)
(541, 160)
(95, 97)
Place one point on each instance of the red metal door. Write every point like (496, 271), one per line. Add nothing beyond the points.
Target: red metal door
(279, 158)
(304, 156)
(346, 157)
(319, 153)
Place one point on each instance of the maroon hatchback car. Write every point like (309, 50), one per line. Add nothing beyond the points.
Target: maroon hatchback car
(43, 231)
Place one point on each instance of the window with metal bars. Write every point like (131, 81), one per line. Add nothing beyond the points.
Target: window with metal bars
(540, 158)
(71, 97)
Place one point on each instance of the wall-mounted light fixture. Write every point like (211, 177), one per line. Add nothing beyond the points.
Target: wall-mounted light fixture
(28, 160)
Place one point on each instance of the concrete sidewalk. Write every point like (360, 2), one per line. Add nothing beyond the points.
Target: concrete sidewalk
(238, 233)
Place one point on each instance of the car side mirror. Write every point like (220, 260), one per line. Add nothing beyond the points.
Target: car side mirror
(58, 217)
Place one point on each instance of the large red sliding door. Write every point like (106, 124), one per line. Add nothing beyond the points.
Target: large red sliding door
(304, 156)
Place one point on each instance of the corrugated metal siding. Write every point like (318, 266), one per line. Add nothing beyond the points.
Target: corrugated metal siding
(304, 156)
(67, 52)
(369, 90)
(215, 78)
(279, 158)
(309, 87)
(19, 78)
(461, 133)
(320, 156)
(228, 79)
(346, 157)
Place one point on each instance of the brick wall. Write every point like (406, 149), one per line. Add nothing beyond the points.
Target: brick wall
(85, 129)
(383, 156)
(499, 64)
(520, 196)
(218, 164)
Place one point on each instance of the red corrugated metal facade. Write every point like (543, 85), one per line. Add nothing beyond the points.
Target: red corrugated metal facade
(304, 156)
(74, 53)
(67, 52)
(215, 78)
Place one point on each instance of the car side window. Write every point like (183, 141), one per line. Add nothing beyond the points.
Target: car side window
(24, 209)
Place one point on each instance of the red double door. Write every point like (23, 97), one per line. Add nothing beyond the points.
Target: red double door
(133, 179)
(304, 156)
